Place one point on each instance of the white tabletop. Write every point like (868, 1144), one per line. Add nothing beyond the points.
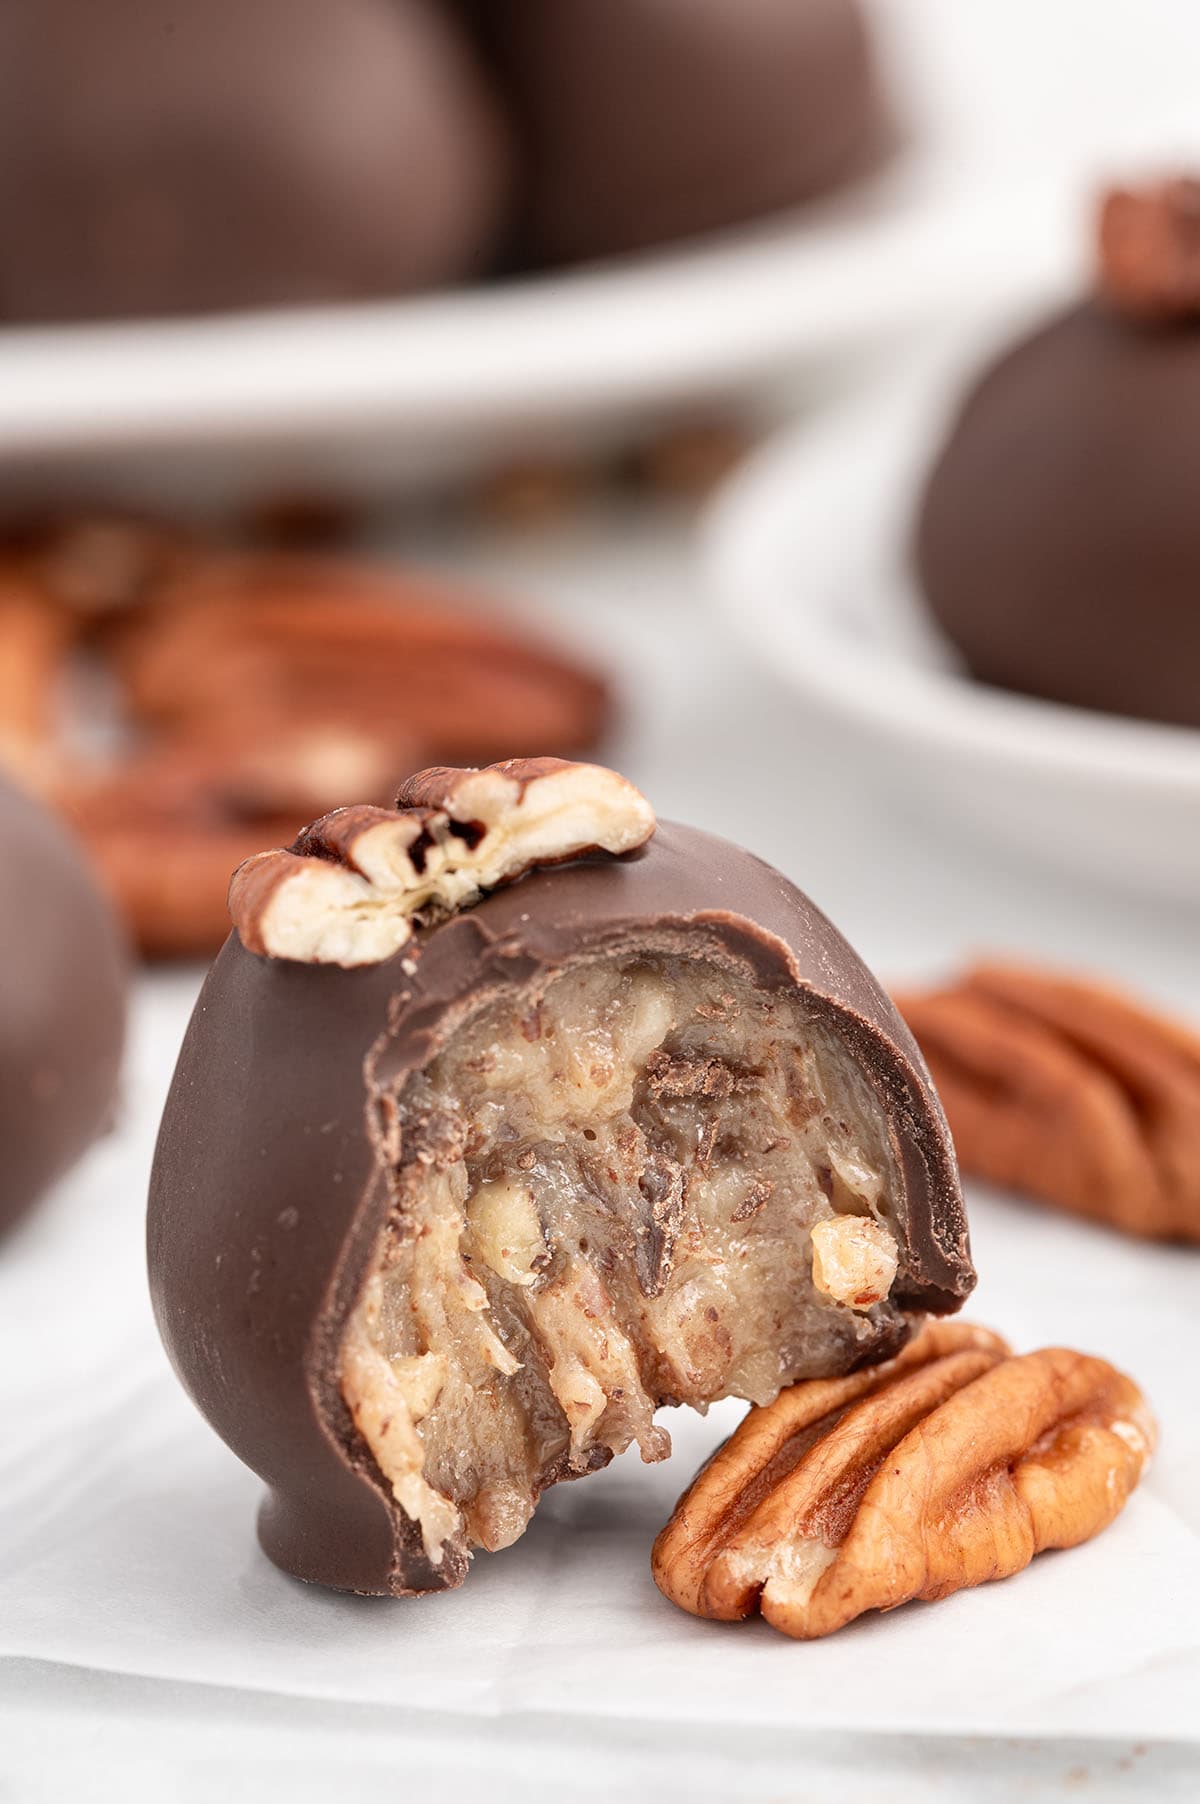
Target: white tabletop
(714, 742)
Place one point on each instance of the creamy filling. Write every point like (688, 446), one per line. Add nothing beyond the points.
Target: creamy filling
(605, 1198)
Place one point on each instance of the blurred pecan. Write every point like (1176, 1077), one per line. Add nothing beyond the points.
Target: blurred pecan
(350, 889)
(35, 638)
(949, 1466)
(166, 828)
(1149, 249)
(328, 642)
(1069, 1091)
(100, 562)
(687, 462)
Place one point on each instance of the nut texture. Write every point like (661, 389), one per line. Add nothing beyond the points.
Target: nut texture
(953, 1464)
(1070, 1091)
(352, 886)
(240, 697)
(314, 641)
(34, 638)
(854, 1260)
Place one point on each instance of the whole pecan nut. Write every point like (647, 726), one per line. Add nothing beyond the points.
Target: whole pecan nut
(354, 885)
(325, 641)
(951, 1465)
(1065, 1089)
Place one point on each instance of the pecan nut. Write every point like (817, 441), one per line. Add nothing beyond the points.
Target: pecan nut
(1149, 249)
(352, 888)
(322, 641)
(1069, 1091)
(240, 696)
(954, 1464)
(166, 828)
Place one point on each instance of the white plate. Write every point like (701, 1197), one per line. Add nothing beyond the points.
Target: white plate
(391, 396)
(807, 550)
(1012, 108)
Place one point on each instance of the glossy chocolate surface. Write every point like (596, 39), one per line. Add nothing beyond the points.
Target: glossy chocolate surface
(266, 1199)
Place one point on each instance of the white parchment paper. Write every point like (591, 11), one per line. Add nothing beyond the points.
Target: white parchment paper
(127, 1530)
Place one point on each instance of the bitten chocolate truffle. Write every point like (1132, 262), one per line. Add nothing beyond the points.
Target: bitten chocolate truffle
(173, 156)
(62, 1004)
(650, 120)
(1056, 542)
(503, 1119)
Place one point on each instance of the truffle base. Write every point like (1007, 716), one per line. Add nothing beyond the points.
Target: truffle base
(604, 1192)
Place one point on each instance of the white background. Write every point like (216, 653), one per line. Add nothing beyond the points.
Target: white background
(149, 1651)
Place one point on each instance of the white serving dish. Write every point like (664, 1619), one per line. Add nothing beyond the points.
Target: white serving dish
(1011, 111)
(807, 552)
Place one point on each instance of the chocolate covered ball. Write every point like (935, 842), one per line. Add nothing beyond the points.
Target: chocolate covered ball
(645, 121)
(1057, 541)
(176, 156)
(62, 1004)
(504, 1119)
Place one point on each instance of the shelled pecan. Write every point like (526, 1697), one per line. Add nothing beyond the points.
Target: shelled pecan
(1070, 1091)
(167, 828)
(185, 704)
(953, 1464)
(35, 637)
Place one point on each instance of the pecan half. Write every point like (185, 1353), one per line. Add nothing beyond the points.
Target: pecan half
(354, 885)
(166, 828)
(185, 705)
(951, 1465)
(101, 563)
(320, 641)
(1149, 249)
(35, 637)
(1070, 1091)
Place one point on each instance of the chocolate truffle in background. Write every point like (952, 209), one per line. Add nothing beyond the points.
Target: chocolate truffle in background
(504, 1119)
(645, 121)
(175, 156)
(1057, 541)
(62, 1004)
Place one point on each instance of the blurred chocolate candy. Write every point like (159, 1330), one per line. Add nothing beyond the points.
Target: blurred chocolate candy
(651, 120)
(62, 1003)
(1057, 542)
(178, 156)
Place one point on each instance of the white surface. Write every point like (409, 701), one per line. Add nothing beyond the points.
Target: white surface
(126, 1530)
(1014, 111)
(809, 560)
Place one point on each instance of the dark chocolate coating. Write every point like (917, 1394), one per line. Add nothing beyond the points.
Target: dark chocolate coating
(264, 1208)
(645, 121)
(63, 977)
(1058, 542)
(176, 156)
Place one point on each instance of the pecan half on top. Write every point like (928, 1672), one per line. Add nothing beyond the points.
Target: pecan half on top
(1148, 243)
(953, 1464)
(354, 885)
(1069, 1091)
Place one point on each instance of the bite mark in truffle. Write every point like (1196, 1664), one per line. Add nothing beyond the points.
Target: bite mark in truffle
(557, 1163)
